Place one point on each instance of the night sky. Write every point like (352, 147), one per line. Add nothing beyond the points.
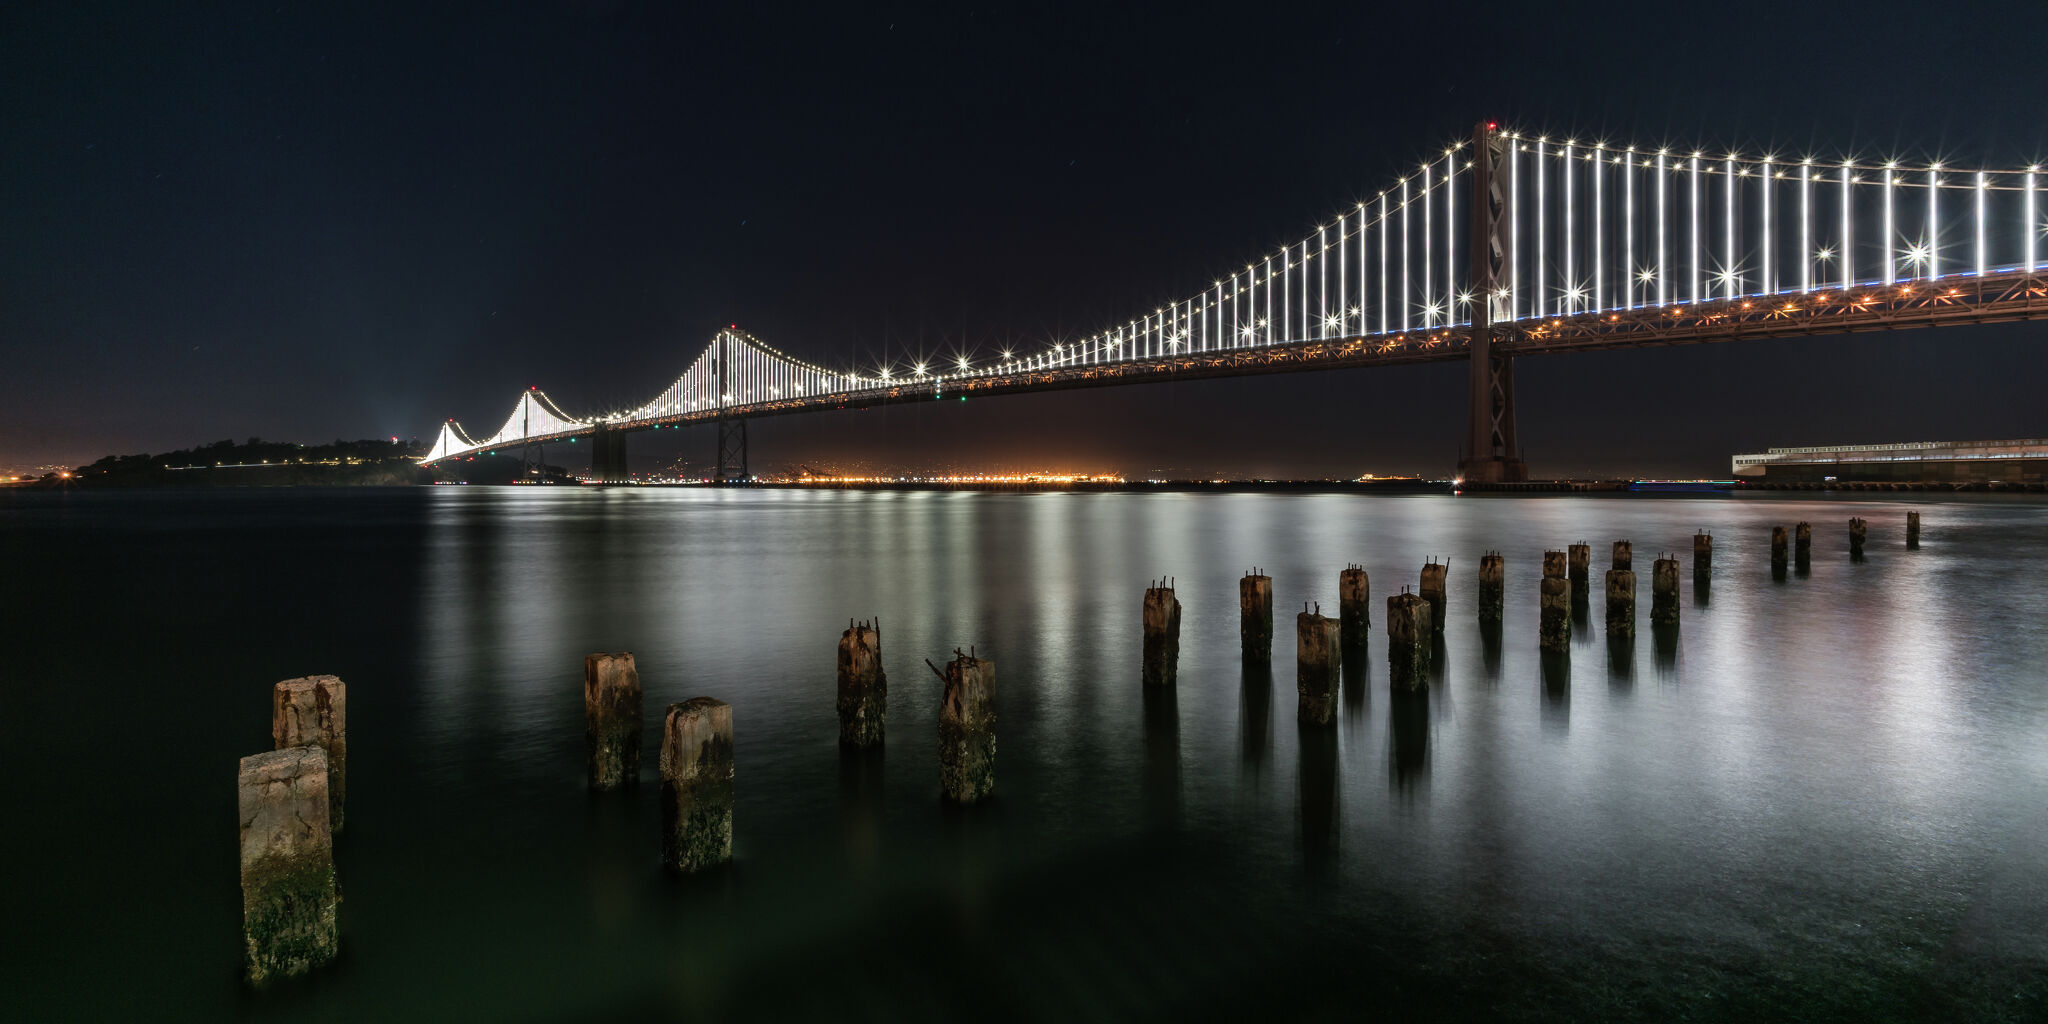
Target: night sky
(315, 221)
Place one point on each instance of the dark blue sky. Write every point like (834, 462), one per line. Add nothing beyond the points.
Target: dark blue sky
(306, 222)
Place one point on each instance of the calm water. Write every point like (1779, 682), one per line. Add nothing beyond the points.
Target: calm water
(1826, 798)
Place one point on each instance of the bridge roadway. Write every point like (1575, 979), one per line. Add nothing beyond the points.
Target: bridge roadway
(1963, 299)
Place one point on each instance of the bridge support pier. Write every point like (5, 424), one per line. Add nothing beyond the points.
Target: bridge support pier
(732, 450)
(608, 456)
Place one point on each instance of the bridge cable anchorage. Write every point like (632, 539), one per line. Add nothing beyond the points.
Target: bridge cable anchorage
(1545, 243)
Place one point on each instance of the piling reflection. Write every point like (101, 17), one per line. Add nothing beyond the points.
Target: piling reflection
(1702, 589)
(1255, 710)
(1407, 738)
(1162, 754)
(1318, 796)
(860, 801)
(1557, 689)
(1665, 639)
(1621, 661)
(1357, 678)
(1489, 649)
(1582, 616)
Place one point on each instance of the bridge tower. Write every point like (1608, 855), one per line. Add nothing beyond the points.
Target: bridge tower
(732, 430)
(608, 455)
(1492, 454)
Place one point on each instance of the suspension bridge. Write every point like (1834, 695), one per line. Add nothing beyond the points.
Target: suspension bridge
(1504, 245)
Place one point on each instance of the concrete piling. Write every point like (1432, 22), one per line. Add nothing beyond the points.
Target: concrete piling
(1912, 531)
(1492, 586)
(863, 685)
(611, 719)
(1778, 551)
(1255, 615)
(1162, 633)
(1409, 633)
(1664, 591)
(1581, 562)
(1802, 545)
(1702, 555)
(1856, 534)
(289, 898)
(313, 712)
(1354, 605)
(1624, 557)
(1553, 602)
(967, 728)
(1621, 602)
(696, 785)
(1318, 641)
(1433, 575)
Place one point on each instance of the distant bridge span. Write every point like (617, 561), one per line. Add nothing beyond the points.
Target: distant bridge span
(1577, 247)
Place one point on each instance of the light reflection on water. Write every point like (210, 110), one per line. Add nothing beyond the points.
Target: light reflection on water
(1836, 776)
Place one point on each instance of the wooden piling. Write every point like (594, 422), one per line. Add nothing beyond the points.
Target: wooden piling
(1255, 615)
(313, 712)
(1912, 531)
(1318, 641)
(967, 729)
(1621, 602)
(1354, 605)
(1433, 576)
(1664, 591)
(1554, 605)
(863, 686)
(1492, 586)
(1702, 555)
(1778, 551)
(1409, 634)
(1802, 545)
(611, 719)
(1162, 634)
(696, 785)
(1581, 562)
(289, 898)
(1857, 530)
(1624, 557)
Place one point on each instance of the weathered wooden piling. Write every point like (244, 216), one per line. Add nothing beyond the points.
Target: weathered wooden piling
(1624, 557)
(289, 899)
(1162, 633)
(1802, 545)
(1581, 562)
(1778, 551)
(313, 712)
(611, 719)
(863, 686)
(1492, 586)
(1409, 634)
(1554, 605)
(1354, 605)
(1255, 615)
(1912, 531)
(967, 728)
(1856, 534)
(1433, 576)
(1318, 641)
(1621, 602)
(1664, 591)
(1702, 555)
(696, 785)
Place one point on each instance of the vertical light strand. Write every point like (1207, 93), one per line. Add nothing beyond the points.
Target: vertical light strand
(1663, 267)
(1287, 288)
(1981, 183)
(1770, 281)
(1599, 232)
(1934, 223)
(1571, 281)
(1450, 236)
(1343, 278)
(1364, 300)
(1891, 261)
(1693, 236)
(1428, 295)
(1323, 289)
(1732, 282)
(1384, 325)
(1628, 229)
(1407, 291)
(2027, 213)
(1536, 283)
(1268, 318)
(1514, 230)
(1848, 230)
